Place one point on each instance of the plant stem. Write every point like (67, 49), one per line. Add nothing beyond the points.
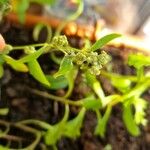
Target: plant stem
(31, 130)
(56, 98)
(42, 124)
(22, 47)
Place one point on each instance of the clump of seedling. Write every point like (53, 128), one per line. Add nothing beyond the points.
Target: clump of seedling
(89, 61)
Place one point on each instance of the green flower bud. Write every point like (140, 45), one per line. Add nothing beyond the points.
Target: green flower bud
(60, 40)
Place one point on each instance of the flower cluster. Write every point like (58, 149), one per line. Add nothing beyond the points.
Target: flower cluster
(91, 61)
(60, 40)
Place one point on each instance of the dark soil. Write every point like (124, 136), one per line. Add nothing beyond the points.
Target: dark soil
(16, 95)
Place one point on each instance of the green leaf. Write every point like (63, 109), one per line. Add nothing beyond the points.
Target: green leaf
(57, 83)
(122, 84)
(140, 106)
(33, 55)
(92, 103)
(72, 127)
(103, 41)
(70, 76)
(18, 66)
(138, 60)
(36, 71)
(21, 8)
(102, 122)
(96, 86)
(56, 131)
(128, 119)
(65, 66)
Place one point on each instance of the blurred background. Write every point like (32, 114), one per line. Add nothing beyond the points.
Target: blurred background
(129, 16)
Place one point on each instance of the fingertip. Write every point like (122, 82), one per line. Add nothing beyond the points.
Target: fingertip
(2, 43)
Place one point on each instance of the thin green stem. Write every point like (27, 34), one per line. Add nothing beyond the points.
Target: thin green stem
(31, 130)
(56, 98)
(42, 124)
(22, 47)
(140, 73)
(71, 17)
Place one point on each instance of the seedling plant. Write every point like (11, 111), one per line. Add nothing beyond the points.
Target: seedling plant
(90, 62)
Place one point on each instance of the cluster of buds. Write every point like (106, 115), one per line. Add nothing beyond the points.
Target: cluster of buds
(91, 61)
(60, 40)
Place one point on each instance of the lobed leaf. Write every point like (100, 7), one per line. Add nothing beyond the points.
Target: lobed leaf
(140, 106)
(72, 127)
(56, 131)
(102, 122)
(103, 41)
(138, 60)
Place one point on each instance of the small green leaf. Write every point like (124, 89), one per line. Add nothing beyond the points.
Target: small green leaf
(128, 119)
(72, 127)
(140, 106)
(96, 86)
(138, 60)
(122, 84)
(36, 71)
(56, 131)
(102, 122)
(33, 55)
(18, 66)
(65, 66)
(92, 103)
(70, 76)
(21, 8)
(103, 41)
(57, 83)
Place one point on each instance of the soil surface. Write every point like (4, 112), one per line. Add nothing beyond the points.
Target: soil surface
(16, 95)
